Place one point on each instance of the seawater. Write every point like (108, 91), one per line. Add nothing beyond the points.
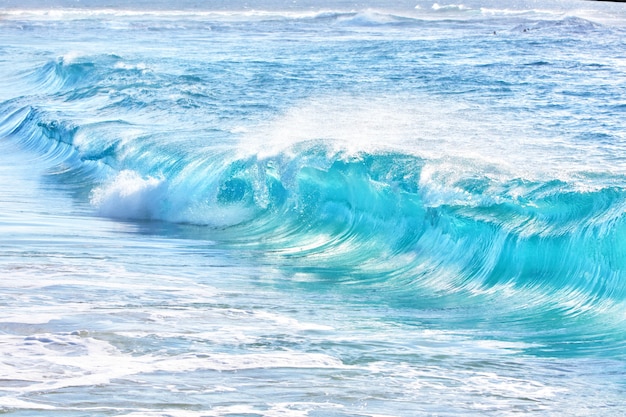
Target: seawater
(313, 208)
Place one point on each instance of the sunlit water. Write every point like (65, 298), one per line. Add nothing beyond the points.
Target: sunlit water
(328, 209)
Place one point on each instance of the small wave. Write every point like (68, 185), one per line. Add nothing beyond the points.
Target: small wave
(51, 139)
(53, 142)
(570, 24)
(70, 73)
(372, 18)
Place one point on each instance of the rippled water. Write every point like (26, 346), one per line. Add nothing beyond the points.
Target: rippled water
(337, 209)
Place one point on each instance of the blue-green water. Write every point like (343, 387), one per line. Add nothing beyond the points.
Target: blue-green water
(337, 209)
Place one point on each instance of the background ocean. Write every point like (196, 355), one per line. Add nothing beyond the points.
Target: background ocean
(382, 208)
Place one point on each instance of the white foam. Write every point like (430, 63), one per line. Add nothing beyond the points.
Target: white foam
(290, 323)
(274, 410)
(130, 196)
(46, 361)
(349, 124)
(170, 413)
(449, 7)
(456, 139)
(142, 67)
(238, 362)
(15, 403)
(53, 361)
(228, 326)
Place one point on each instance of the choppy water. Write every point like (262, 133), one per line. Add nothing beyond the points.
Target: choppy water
(307, 209)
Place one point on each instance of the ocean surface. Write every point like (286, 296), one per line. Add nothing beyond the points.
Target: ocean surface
(312, 208)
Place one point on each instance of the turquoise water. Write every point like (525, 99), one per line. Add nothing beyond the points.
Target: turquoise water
(329, 209)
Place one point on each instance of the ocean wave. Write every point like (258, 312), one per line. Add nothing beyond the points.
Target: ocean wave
(52, 139)
(80, 76)
(366, 214)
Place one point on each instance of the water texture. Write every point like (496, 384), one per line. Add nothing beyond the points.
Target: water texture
(313, 208)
